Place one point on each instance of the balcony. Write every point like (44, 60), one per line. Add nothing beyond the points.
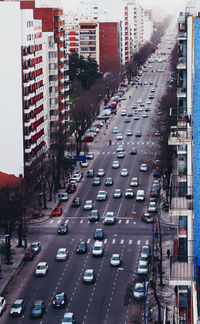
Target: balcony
(27, 137)
(52, 47)
(180, 137)
(181, 93)
(181, 270)
(180, 194)
(182, 35)
(28, 123)
(181, 63)
(53, 60)
(53, 71)
(28, 150)
(53, 83)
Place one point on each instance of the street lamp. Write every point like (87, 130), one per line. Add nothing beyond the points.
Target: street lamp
(144, 281)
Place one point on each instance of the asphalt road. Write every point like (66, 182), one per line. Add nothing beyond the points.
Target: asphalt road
(108, 300)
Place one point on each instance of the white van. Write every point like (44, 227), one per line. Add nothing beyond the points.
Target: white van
(97, 249)
(140, 195)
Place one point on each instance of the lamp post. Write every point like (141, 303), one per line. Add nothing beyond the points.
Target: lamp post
(144, 281)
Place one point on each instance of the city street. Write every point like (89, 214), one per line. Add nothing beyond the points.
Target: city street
(109, 299)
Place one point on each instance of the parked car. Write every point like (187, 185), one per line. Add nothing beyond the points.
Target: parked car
(71, 188)
(90, 173)
(29, 254)
(90, 156)
(63, 196)
(2, 304)
(57, 211)
(17, 308)
(36, 246)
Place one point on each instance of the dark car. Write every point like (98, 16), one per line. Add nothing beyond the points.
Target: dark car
(156, 173)
(17, 308)
(98, 234)
(59, 300)
(38, 309)
(90, 173)
(81, 247)
(62, 229)
(96, 182)
(154, 192)
(109, 182)
(94, 216)
(29, 254)
(71, 188)
(76, 202)
(133, 151)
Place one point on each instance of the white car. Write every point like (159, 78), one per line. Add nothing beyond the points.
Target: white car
(84, 164)
(148, 102)
(90, 156)
(68, 318)
(134, 182)
(115, 164)
(120, 155)
(2, 304)
(123, 113)
(129, 193)
(42, 269)
(109, 218)
(145, 115)
(119, 137)
(102, 195)
(139, 101)
(124, 173)
(143, 267)
(61, 254)
(97, 249)
(143, 167)
(138, 291)
(115, 260)
(100, 173)
(140, 109)
(152, 208)
(88, 205)
(115, 130)
(120, 148)
(89, 276)
(17, 308)
(117, 193)
(145, 251)
(129, 133)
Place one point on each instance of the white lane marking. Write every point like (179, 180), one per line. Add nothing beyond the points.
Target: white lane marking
(113, 153)
(127, 221)
(81, 221)
(58, 222)
(138, 242)
(134, 223)
(147, 242)
(113, 241)
(103, 152)
(142, 143)
(105, 241)
(88, 241)
(119, 221)
(51, 221)
(122, 241)
(67, 221)
(130, 242)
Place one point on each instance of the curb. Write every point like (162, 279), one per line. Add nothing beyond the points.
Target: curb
(9, 279)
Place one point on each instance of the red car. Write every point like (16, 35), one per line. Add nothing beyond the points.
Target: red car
(57, 211)
(29, 254)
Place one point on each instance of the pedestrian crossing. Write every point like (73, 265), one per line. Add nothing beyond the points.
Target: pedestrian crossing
(85, 220)
(120, 241)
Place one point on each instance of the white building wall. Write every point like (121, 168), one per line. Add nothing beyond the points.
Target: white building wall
(148, 29)
(11, 121)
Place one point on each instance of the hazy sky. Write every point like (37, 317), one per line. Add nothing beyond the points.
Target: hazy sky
(168, 5)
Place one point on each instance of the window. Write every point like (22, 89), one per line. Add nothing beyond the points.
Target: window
(52, 66)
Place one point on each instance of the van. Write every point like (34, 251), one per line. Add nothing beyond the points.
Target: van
(140, 195)
(97, 249)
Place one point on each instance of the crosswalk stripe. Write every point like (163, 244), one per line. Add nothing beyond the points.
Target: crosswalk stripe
(127, 221)
(81, 221)
(138, 242)
(105, 241)
(67, 221)
(113, 241)
(51, 221)
(88, 241)
(147, 242)
(122, 241)
(119, 221)
(130, 242)
(58, 222)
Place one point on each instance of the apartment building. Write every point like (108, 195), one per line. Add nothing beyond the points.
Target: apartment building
(185, 188)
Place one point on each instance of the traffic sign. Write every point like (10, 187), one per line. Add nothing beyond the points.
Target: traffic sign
(80, 158)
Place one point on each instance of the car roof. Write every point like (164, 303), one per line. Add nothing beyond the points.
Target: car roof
(62, 249)
(115, 255)
(18, 301)
(42, 263)
(68, 315)
(38, 302)
(89, 270)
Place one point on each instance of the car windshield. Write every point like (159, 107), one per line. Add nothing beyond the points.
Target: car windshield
(115, 258)
(88, 274)
(139, 289)
(59, 297)
(34, 245)
(17, 305)
(142, 266)
(37, 307)
(41, 267)
(81, 245)
(61, 252)
(98, 232)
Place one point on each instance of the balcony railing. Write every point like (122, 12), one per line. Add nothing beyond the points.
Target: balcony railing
(180, 192)
(181, 269)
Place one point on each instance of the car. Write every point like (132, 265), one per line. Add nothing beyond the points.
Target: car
(57, 211)
(145, 251)
(152, 90)
(73, 181)
(139, 101)
(119, 137)
(127, 120)
(145, 115)
(155, 192)
(124, 173)
(138, 134)
(143, 267)
(38, 309)
(78, 176)
(120, 155)
(98, 234)
(115, 260)
(42, 269)
(88, 205)
(97, 249)
(123, 113)
(115, 164)
(151, 96)
(152, 208)
(90, 156)
(81, 247)
(120, 148)
(140, 195)
(68, 318)
(101, 195)
(17, 308)
(2, 304)
(61, 255)
(157, 173)
(84, 164)
(138, 291)
(109, 182)
(147, 218)
(115, 130)
(151, 83)
(90, 173)
(143, 167)
(148, 102)
(71, 188)
(94, 215)
(157, 133)
(89, 276)
(134, 182)
(133, 151)
(140, 109)
(76, 202)
(129, 133)
(117, 193)
(36, 246)
(59, 300)
(136, 117)
(29, 254)
(130, 114)
(100, 173)
(145, 82)
(63, 197)
(147, 109)
(62, 229)
(129, 193)
(109, 218)
(96, 182)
